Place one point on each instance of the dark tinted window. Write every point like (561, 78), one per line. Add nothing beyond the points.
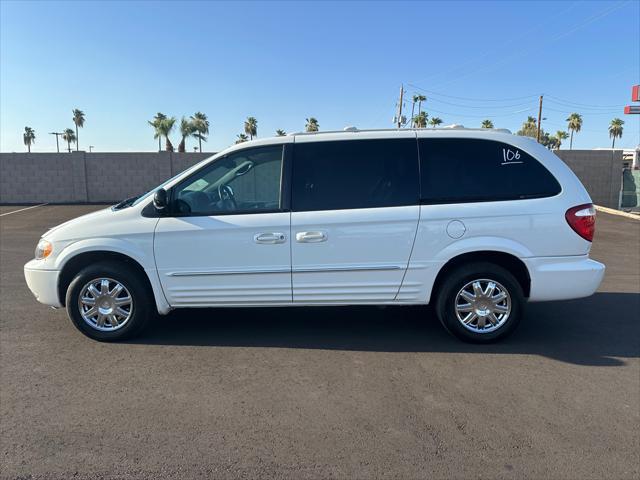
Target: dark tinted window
(468, 170)
(355, 174)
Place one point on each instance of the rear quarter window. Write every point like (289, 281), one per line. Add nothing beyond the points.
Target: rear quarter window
(456, 170)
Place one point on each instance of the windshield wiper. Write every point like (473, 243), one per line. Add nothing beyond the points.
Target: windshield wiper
(125, 203)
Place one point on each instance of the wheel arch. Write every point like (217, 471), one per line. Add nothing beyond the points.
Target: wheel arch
(79, 261)
(505, 260)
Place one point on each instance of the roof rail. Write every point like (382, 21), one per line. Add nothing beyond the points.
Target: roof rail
(445, 128)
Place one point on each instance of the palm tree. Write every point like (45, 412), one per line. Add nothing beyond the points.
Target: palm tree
(29, 137)
(420, 120)
(575, 124)
(187, 128)
(241, 138)
(164, 129)
(251, 127)
(78, 119)
(69, 136)
(280, 133)
(487, 124)
(435, 121)
(156, 123)
(312, 125)
(201, 130)
(415, 99)
(560, 136)
(421, 98)
(615, 130)
(529, 128)
(552, 142)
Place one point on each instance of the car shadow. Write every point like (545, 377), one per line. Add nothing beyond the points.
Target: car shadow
(601, 330)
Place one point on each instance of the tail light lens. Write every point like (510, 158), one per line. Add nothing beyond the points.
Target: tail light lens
(583, 220)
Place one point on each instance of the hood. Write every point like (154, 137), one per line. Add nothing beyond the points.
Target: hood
(79, 227)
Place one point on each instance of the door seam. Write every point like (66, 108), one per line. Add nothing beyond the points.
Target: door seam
(415, 236)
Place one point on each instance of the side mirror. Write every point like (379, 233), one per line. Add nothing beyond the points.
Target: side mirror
(160, 199)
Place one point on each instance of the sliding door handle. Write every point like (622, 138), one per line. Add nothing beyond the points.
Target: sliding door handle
(269, 238)
(311, 237)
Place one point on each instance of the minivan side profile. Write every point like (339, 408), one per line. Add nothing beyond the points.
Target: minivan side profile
(474, 222)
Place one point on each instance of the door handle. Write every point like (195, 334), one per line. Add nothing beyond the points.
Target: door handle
(269, 238)
(311, 237)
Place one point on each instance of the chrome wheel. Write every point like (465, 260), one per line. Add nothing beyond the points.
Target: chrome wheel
(483, 305)
(105, 304)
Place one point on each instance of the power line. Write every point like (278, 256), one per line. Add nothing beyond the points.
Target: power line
(473, 99)
(500, 48)
(431, 99)
(583, 105)
(588, 113)
(564, 127)
(486, 115)
(551, 98)
(588, 21)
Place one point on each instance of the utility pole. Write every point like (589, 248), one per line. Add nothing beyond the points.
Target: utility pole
(57, 143)
(400, 106)
(539, 119)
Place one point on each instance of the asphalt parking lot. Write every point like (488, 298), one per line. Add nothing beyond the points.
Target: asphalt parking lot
(322, 392)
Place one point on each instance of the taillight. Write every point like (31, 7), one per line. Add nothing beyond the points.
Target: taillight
(583, 220)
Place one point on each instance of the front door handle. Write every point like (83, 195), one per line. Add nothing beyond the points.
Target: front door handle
(311, 237)
(269, 238)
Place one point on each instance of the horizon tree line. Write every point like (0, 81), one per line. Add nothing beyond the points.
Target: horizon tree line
(251, 129)
(68, 135)
(197, 126)
(529, 127)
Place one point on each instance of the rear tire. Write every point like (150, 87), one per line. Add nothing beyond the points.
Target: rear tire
(109, 301)
(480, 302)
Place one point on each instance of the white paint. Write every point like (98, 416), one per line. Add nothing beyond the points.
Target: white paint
(241, 270)
(456, 229)
(362, 256)
(22, 209)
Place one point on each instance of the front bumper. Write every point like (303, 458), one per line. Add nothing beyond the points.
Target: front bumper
(42, 283)
(563, 278)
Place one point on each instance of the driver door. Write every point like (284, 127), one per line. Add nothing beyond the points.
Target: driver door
(226, 241)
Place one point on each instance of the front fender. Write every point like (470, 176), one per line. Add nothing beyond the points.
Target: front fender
(140, 252)
(131, 249)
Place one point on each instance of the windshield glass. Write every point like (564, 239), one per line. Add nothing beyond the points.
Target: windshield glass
(164, 184)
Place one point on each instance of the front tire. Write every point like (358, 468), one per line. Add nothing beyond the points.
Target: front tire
(109, 301)
(480, 302)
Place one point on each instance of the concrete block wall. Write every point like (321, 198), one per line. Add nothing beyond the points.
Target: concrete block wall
(80, 177)
(41, 177)
(182, 161)
(600, 171)
(112, 176)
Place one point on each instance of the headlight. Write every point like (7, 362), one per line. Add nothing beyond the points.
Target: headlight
(44, 249)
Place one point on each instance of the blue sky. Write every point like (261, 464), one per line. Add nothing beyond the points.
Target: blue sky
(343, 63)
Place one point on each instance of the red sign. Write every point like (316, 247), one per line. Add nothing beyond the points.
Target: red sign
(632, 109)
(635, 93)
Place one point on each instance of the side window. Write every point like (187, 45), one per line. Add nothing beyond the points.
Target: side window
(455, 170)
(349, 174)
(247, 181)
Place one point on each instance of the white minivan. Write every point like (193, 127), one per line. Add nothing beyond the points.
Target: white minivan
(475, 222)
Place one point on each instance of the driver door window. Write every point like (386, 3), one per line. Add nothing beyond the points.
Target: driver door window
(247, 181)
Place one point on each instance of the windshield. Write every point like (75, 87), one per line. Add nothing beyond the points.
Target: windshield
(167, 182)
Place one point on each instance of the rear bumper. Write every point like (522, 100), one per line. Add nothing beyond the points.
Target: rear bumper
(563, 278)
(42, 283)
